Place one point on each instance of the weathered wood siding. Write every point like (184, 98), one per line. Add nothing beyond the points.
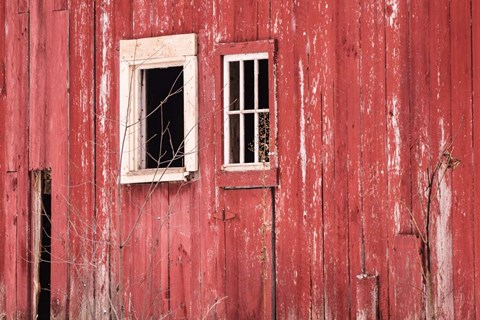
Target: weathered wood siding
(372, 214)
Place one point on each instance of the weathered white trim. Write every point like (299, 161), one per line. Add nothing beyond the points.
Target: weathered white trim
(150, 53)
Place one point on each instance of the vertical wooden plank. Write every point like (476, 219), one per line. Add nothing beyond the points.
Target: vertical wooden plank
(419, 126)
(38, 70)
(462, 140)
(398, 107)
(182, 13)
(23, 6)
(407, 293)
(245, 19)
(264, 19)
(16, 133)
(180, 251)
(225, 9)
(22, 256)
(420, 112)
(10, 266)
(118, 281)
(17, 86)
(350, 86)
(3, 217)
(136, 254)
(106, 163)
(292, 283)
(212, 290)
(440, 273)
(81, 157)
(141, 18)
(321, 67)
(158, 277)
(373, 144)
(56, 154)
(476, 142)
(161, 17)
(398, 162)
(59, 5)
(367, 297)
(302, 87)
(248, 243)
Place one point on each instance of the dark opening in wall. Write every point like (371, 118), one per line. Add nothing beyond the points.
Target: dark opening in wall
(45, 248)
(163, 89)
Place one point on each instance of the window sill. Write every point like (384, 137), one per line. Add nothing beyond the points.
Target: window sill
(155, 175)
(247, 178)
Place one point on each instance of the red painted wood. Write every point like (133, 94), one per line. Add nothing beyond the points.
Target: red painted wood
(22, 257)
(264, 20)
(225, 24)
(406, 296)
(81, 158)
(440, 230)
(106, 166)
(420, 112)
(373, 142)
(212, 290)
(3, 217)
(292, 282)
(399, 162)
(350, 50)
(462, 140)
(56, 129)
(10, 266)
(398, 106)
(15, 163)
(16, 86)
(23, 6)
(180, 250)
(338, 179)
(321, 93)
(367, 297)
(37, 92)
(160, 17)
(245, 17)
(123, 29)
(140, 14)
(476, 142)
(248, 258)
(159, 293)
(59, 5)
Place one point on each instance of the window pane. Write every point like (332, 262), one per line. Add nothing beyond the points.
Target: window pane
(249, 84)
(249, 133)
(263, 84)
(234, 138)
(164, 117)
(234, 85)
(263, 136)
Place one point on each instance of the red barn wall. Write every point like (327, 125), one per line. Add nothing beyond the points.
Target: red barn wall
(372, 214)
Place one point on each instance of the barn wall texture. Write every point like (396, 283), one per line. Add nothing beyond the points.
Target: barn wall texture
(375, 211)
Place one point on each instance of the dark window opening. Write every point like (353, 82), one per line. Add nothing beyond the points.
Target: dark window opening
(263, 94)
(164, 123)
(45, 247)
(249, 84)
(234, 85)
(249, 134)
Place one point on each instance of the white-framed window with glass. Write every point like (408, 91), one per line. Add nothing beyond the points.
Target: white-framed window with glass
(246, 111)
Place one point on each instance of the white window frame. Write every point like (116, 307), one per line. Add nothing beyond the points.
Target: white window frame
(148, 53)
(242, 165)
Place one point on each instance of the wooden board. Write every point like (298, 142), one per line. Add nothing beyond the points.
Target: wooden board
(247, 217)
